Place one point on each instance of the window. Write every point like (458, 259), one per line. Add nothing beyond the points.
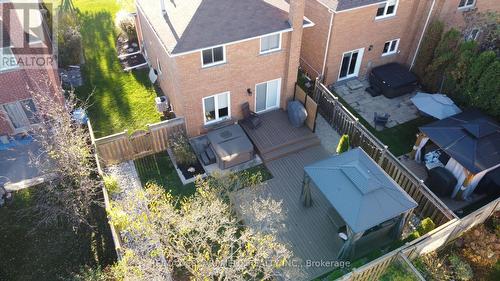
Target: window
(21, 113)
(213, 56)
(466, 3)
(267, 95)
(7, 59)
(390, 47)
(387, 9)
(159, 66)
(270, 43)
(473, 34)
(216, 107)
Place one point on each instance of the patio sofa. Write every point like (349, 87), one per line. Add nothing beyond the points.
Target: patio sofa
(392, 80)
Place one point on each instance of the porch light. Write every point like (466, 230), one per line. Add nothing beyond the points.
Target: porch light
(249, 92)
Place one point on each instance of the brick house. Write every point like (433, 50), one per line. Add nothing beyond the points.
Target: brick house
(350, 37)
(211, 56)
(18, 80)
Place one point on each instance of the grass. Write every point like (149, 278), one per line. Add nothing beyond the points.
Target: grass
(401, 138)
(397, 272)
(51, 253)
(159, 169)
(118, 100)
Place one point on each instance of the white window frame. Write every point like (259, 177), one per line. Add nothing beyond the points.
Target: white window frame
(470, 36)
(466, 6)
(385, 15)
(158, 64)
(223, 61)
(216, 105)
(361, 52)
(270, 50)
(389, 52)
(2, 69)
(278, 101)
(25, 117)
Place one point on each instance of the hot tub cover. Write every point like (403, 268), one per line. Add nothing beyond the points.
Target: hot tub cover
(230, 142)
(394, 75)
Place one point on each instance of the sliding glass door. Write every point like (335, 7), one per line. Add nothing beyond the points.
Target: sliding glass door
(351, 62)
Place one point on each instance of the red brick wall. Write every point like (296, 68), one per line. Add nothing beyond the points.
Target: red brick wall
(186, 82)
(452, 16)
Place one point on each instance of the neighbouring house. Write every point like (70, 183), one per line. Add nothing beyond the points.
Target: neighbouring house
(350, 38)
(450, 12)
(24, 68)
(212, 56)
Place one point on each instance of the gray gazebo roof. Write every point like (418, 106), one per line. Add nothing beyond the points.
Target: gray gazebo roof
(359, 190)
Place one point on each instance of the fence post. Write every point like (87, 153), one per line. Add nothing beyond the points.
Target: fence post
(382, 156)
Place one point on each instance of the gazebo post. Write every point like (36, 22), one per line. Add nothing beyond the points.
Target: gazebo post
(305, 195)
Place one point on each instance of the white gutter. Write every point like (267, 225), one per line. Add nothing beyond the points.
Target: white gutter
(422, 35)
(327, 43)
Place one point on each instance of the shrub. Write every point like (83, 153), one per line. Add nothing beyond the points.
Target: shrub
(111, 185)
(426, 225)
(429, 44)
(184, 154)
(69, 40)
(343, 145)
(125, 22)
(488, 90)
(462, 270)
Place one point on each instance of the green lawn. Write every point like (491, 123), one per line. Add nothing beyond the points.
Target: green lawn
(159, 169)
(51, 253)
(120, 100)
(401, 138)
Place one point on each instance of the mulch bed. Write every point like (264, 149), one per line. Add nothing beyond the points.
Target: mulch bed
(133, 60)
(188, 175)
(125, 46)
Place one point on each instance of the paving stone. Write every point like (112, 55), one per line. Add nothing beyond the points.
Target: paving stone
(355, 84)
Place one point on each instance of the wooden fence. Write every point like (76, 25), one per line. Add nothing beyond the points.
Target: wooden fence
(310, 105)
(344, 122)
(121, 147)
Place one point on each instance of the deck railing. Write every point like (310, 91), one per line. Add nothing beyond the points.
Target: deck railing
(344, 122)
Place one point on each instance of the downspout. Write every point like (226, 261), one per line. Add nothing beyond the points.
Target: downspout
(422, 35)
(327, 44)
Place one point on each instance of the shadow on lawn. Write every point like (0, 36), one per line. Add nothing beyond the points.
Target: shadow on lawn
(49, 253)
(118, 98)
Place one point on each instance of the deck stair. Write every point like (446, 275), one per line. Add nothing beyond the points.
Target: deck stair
(277, 138)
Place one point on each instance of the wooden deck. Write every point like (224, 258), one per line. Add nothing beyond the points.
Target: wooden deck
(276, 137)
(309, 231)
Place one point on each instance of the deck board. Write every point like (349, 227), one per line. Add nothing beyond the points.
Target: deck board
(309, 231)
(276, 131)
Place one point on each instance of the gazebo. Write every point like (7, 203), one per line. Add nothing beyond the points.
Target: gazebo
(368, 207)
(471, 140)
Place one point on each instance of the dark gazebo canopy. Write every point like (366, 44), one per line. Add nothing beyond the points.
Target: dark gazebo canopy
(471, 138)
(359, 190)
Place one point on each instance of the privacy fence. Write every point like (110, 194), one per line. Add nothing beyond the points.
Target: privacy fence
(123, 146)
(449, 226)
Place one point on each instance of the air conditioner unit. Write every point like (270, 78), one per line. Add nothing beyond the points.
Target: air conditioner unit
(162, 104)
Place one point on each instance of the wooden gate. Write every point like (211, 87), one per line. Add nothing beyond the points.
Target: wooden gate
(310, 105)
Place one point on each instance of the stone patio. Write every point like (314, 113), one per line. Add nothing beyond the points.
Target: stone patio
(400, 108)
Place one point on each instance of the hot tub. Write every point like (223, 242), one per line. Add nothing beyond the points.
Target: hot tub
(393, 80)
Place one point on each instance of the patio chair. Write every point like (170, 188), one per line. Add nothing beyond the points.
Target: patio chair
(380, 119)
(250, 117)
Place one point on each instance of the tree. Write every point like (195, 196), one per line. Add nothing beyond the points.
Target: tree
(66, 153)
(343, 145)
(488, 91)
(429, 43)
(201, 236)
(443, 57)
